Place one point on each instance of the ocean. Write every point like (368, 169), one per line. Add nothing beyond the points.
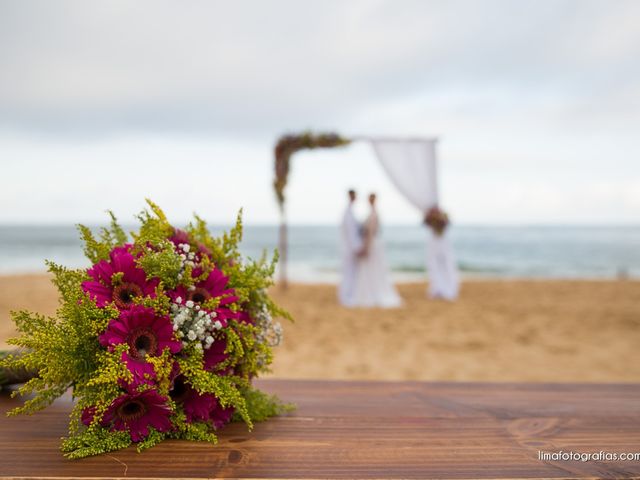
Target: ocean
(482, 251)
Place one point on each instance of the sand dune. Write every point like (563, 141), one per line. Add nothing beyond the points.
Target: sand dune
(498, 330)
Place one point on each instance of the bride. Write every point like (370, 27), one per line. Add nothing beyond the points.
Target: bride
(373, 281)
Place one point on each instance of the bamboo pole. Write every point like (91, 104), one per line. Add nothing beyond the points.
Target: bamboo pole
(283, 247)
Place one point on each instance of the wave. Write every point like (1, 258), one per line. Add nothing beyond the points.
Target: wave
(462, 266)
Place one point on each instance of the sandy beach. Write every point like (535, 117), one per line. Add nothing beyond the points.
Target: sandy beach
(499, 330)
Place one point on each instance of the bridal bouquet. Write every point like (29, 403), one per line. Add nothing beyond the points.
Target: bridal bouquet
(437, 220)
(159, 338)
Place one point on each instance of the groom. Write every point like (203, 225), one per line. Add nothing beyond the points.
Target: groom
(351, 250)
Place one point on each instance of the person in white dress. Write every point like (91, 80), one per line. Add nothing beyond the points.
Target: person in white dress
(441, 265)
(351, 246)
(444, 282)
(374, 287)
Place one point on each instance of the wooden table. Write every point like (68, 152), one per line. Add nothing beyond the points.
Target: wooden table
(370, 430)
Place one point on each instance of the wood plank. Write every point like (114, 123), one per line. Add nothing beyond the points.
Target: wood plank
(369, 430)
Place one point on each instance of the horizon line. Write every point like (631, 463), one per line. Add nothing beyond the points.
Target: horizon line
(336, 224)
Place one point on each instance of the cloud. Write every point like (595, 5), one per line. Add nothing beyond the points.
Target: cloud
(260, 67)
(537, 104)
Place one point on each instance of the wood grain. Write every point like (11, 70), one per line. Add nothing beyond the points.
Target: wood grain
(370, 430)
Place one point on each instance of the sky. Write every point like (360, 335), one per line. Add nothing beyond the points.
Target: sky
(536, 104)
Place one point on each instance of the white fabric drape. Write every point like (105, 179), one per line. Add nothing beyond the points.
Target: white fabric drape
(411, 166)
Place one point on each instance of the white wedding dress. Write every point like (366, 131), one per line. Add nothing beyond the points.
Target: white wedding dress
(374, 287)
(444, 281)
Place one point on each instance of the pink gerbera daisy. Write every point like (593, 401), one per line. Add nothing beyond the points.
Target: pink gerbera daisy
(220, 416)
(133, 283)
(215, 354)
(143, 330)
(87, 415)
(199, 406)
(214, 286)
(244, 317)
(181, 237)
(142, 371)
(135, 412)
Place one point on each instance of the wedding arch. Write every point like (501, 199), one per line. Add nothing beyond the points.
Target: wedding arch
(411, 166)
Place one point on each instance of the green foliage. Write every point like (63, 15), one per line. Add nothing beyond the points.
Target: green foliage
(225, 388)
(263, 406)
(160, 303)
(117, 235)
(197, 431)
(96, 250)
(93, 249)
(163, 263)
(109, 370)
(153, 439)
(163, 366)
(65, 352)
(94, 441)
(155, 228)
